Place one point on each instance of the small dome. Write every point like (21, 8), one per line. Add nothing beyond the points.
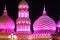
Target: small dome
(58, 23)
(44, 23)
(6, 22)
(23, 5)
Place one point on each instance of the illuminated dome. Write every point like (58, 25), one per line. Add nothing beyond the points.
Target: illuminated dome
(23, 5)
(6, 23)
(44, 23)
(58, 24)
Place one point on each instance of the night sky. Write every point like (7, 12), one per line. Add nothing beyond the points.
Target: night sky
(36, 8)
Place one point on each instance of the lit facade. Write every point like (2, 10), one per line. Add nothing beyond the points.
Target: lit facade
(43, 27)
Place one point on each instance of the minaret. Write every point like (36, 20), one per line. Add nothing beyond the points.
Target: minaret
(23, 22)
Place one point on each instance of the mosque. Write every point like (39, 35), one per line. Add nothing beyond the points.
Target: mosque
(44, 27)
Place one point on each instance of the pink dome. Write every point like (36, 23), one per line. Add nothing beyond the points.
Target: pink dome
(6, 22)
(44, 23)
(23, 5)
(58, 23)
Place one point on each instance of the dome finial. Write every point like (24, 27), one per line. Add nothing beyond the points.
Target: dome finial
(44, 11)
(44, 7)
(5, 11)
(5, 8)
(23, 5)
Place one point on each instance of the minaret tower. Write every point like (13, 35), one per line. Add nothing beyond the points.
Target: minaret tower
(23, 22)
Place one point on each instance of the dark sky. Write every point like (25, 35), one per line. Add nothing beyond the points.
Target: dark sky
(36, 7)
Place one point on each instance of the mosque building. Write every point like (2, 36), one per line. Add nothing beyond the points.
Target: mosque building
(44, 27)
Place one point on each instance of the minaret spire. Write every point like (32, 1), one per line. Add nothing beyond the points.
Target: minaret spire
(5, 11)
(44, 11)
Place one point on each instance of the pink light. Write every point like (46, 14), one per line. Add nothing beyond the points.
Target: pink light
(19, 15)
(23, 21)
(23, 14)
(23, 28)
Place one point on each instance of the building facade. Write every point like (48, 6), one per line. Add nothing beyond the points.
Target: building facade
(44, 27)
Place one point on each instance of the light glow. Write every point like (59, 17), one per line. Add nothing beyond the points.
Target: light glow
(12, 36)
